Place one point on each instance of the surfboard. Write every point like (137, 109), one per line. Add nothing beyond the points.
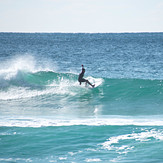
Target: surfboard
(97, 84)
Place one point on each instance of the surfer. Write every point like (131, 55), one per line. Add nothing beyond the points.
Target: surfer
(81, 79)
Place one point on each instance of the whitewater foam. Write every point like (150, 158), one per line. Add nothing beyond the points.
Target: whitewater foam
(25, 92)
(93, 160)
(26, 63)
(114, 143)
(10, 67)
(49, 121)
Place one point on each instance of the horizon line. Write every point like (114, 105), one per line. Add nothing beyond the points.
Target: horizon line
(80, 32)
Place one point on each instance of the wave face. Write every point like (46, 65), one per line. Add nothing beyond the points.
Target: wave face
(128, 96)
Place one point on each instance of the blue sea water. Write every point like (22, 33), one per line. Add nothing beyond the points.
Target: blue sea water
(46, 116)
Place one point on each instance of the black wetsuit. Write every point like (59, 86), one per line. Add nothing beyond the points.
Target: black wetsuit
(81, 79)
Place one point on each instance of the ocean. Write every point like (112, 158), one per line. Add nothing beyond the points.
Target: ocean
(46, 116)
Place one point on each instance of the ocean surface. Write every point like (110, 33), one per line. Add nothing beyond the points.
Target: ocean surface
(46, 116)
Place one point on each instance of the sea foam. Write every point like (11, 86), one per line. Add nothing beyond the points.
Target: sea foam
(109, 121)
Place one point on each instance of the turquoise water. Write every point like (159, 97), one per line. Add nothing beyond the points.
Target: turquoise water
(46, 116)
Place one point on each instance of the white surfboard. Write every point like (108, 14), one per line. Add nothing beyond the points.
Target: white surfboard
(94, 81)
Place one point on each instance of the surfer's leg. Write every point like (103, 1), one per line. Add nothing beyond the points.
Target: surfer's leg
(90, 83)
(86, 81)
(82, 81)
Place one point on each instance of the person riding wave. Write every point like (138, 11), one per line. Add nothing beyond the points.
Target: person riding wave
(81, 79)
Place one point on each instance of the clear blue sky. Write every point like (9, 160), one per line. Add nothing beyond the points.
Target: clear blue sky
(81, 15)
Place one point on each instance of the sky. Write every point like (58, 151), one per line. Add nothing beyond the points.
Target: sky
(90, 16)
